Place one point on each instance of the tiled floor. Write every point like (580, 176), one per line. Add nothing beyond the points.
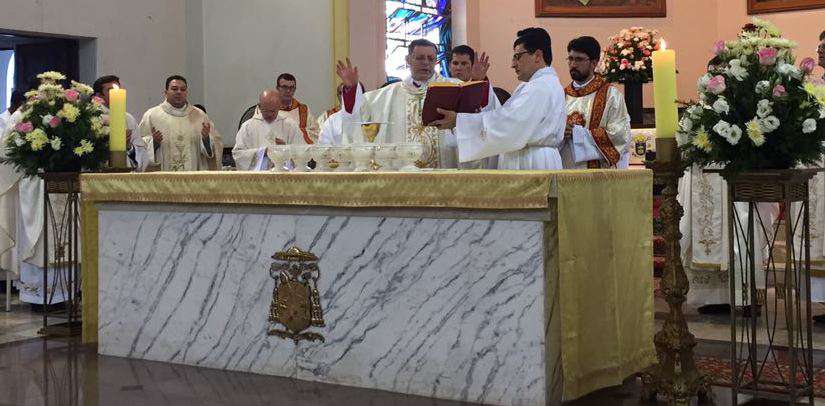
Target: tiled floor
(60, 372)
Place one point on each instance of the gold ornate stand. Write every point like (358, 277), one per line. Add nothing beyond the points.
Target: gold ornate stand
(675, 377)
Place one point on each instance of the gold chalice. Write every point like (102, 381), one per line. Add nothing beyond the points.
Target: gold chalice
(370, 131)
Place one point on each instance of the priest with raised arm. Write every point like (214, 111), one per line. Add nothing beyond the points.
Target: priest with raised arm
(528, 129)
(180, 136)
(597, 134)
(398, 106)
(264, 130)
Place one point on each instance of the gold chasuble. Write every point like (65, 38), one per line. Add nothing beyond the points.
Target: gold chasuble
(600, 108)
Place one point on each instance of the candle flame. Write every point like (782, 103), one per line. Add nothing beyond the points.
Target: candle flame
(115, 86)
(662, 44)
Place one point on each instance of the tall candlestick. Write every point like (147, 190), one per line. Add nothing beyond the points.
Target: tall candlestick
(117, 119)
(664, 92)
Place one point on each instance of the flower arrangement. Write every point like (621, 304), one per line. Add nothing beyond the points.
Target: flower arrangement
(628, 56)
(754, 111)
(62, 129)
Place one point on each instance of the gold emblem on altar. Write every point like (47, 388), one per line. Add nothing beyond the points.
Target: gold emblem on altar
(296, 305)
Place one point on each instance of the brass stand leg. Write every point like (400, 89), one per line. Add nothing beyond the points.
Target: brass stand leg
(675, 377)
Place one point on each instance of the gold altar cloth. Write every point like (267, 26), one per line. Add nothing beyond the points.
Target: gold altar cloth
(605, 249)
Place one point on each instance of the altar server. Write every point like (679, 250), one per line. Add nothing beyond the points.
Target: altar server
(527, 131)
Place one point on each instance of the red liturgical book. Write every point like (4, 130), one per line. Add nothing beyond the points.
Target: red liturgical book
(466, 97)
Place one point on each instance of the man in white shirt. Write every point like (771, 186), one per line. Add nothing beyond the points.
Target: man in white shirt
(528, 129)
(264, 130)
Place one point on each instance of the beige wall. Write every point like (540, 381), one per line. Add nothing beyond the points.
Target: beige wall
(140, 41)
(691, 28)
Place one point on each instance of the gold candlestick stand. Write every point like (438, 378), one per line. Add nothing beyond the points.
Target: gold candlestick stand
(675, 376)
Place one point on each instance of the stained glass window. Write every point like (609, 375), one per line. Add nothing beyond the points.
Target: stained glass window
(408, 20)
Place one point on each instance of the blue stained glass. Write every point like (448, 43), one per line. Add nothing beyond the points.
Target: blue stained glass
(407, 20)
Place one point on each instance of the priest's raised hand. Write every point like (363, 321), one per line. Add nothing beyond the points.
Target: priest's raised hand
(347, 73)
(480, 67)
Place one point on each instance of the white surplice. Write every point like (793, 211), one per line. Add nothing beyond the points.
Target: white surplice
(604, 144)
(256, 134)
(705, 247)
(398, 106)
(525, 132)
(340, 128)
(4, 121)
(21, 231)
(182, 148)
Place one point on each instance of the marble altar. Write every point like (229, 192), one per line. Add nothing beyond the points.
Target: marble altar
(443, 293)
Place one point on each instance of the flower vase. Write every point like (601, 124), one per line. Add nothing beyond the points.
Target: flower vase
(634, 101)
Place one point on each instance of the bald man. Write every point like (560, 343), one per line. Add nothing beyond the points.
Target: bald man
(265, 129)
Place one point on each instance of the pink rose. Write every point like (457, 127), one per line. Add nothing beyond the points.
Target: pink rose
(646, 53)
(25, 127)
(716, 84)
(72, 95)
(98, 100)
(767, 56)
(779, 91)
(719, 47)
(54, 122)
(807, 65)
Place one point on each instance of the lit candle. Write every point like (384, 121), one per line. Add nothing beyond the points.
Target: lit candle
(664, 91)
(117, 119)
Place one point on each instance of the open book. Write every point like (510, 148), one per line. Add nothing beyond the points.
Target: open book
(466, 97)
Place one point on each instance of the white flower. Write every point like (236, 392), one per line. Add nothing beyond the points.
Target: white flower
(735, 134)
(722, 128)
(56, 143)
(694, 111)
(808, 126)
(47, 118)
(702, 83)
(769, 124)
(682, 138)
(787, 69)
(18, 140)
(736, 70)
(686, 124)
(821, 112)
(764, 108)
(721, 106)
(763, 87)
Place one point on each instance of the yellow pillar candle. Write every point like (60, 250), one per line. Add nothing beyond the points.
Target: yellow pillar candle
(117, 119)
(664, 92)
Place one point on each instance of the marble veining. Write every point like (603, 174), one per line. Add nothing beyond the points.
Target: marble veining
(444, 308)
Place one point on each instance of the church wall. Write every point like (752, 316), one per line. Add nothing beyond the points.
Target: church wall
(248, 44)
(688, 28)
(140, 41)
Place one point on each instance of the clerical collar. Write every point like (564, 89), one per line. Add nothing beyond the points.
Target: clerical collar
(578, 86)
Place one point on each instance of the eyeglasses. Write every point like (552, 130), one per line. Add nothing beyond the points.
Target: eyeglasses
(577, 59)
(517, 55)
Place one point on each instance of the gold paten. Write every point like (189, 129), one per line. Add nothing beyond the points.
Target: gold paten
(296, 305)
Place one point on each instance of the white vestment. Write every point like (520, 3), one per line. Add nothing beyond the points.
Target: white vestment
(182, 148)
(816, 213)
(339, 129)
(302, 115)
(526, 132)
(705, 247)
(4, 120)
(597, 145)
(398, 106)
(21, 230)
(256, 134)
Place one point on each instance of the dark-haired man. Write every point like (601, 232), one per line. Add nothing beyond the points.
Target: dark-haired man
(528, 129)
(180, 136)
(597, 133)
(398, 106)
(295, 110)
(17, 100)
